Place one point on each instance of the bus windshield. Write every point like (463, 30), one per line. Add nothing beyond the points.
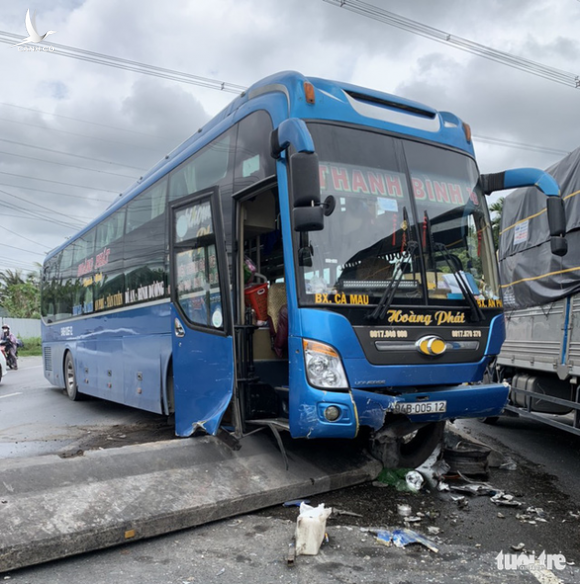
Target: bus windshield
(410, 217)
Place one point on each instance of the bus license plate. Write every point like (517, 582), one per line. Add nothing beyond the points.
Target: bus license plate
(414, 408)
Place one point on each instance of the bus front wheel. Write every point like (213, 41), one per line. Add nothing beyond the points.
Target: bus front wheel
(409, 450)
(70, 379)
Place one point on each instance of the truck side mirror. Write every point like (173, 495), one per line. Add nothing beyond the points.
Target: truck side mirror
(557, 225)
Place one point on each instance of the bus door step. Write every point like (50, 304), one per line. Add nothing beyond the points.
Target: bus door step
(228, 439)
(275, 424)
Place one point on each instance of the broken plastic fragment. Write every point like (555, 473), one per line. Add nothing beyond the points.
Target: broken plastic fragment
(414, 481)
(404, 510)
(295, 502)
(403, 537)
(508, 465)
(502, 498)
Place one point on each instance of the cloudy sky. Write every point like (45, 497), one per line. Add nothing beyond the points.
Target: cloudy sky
(74, 133)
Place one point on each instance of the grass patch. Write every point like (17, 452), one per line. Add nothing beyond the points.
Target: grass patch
(32, 347)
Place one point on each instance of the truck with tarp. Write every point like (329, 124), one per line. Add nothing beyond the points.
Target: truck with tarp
(541, 293)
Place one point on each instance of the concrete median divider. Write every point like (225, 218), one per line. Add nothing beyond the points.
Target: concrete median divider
(52, 507)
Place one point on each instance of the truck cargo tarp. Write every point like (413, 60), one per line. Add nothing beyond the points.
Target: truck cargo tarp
(530, 274)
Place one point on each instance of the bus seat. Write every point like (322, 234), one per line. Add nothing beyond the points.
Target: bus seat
(276, 299)
(278, 318)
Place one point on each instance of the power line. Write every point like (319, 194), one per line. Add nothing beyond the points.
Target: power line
(126, 64)
(4, 228)
(353, 5)
(44, 219)
(27, 188)
(4, 244)
(30, 109)
(14, 207)
(69, 154)
(57, 182)
(520, 145)
(68, 165)
(85, 136)
(11, 263)
(392, 19)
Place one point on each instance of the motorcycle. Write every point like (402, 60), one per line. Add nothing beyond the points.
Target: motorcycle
(11, 359)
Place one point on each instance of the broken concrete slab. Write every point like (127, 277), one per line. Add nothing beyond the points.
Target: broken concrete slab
(53, 507)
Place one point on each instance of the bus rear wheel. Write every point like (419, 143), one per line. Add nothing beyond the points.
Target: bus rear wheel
(410, 450)
(70, 379)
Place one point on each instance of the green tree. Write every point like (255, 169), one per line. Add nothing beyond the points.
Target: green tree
(20, 296)
(21, 300)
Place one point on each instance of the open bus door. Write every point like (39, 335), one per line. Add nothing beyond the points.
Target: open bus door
(202, 331)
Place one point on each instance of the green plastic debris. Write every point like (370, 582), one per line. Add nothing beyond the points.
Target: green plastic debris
(395, 477)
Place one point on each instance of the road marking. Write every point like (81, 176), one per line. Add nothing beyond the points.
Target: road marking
(543, 575)
(10, 394)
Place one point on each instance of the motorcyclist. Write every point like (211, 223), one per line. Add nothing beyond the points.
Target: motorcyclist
(11, 346)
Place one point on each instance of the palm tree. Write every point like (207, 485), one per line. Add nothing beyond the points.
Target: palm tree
(10, 278)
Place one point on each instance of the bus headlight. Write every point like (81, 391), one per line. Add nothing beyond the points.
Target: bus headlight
(323, 366)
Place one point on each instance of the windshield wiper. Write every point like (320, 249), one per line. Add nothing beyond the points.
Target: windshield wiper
(386, 300)
(466, 291)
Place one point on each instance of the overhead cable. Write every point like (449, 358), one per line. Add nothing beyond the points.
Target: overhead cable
(126, 64)
(392, 19)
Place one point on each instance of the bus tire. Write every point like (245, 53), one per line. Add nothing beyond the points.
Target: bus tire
(410, 453)
(70, 379)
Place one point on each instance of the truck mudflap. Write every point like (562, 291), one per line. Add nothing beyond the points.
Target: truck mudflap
(434, 405)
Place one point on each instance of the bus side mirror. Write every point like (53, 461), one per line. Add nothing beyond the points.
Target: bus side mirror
(532, 177)
(308, 218)
(557, 225)
(305, 192)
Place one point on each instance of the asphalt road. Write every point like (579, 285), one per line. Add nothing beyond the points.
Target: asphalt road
(35, 418)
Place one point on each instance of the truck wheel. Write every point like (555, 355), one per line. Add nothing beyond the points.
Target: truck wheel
(411, 450)
(70, 379)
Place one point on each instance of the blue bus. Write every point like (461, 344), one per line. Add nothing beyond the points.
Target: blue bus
(318, 258)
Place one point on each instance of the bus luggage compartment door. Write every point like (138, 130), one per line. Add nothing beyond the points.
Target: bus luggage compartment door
(203, 352)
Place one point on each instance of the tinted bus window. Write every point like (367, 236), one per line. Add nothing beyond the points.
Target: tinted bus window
(110, 229)
(109, 274)
(145, 246)
(49, 288)
(253, 160)
(82, 279)
(146, 206)
(210, 166)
